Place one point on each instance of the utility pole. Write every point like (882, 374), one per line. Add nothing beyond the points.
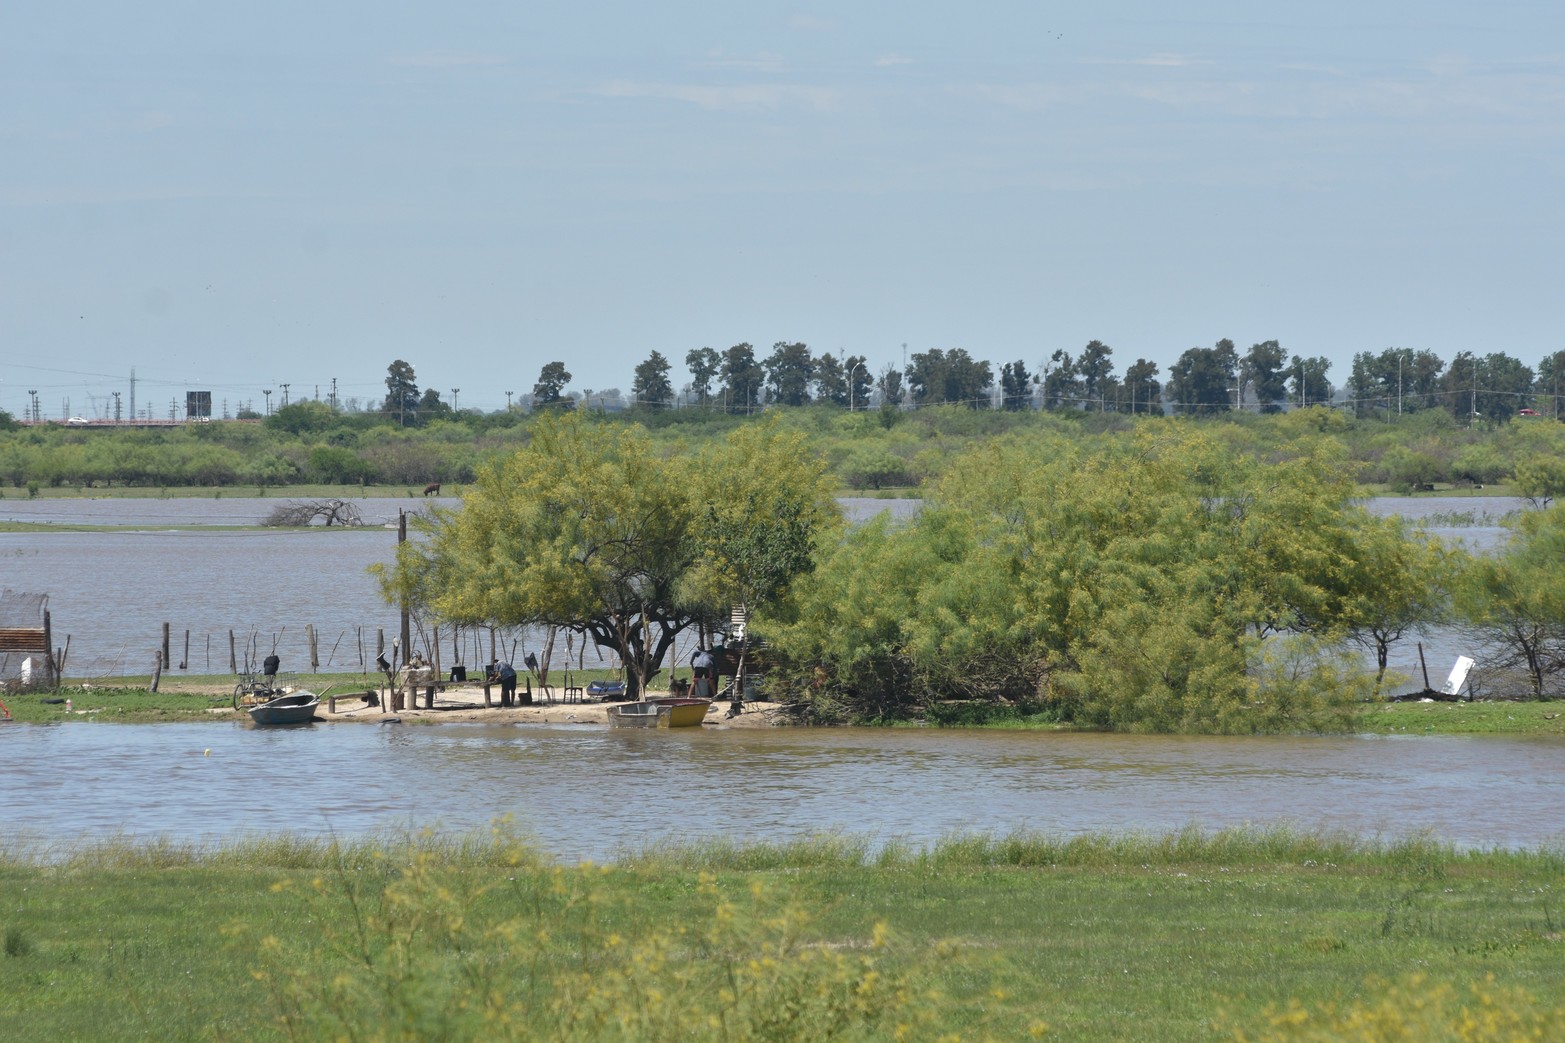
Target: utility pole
(268, 393)
(34, 394)
(1473, 406)
(453, 398)
(1399, 384)
(285, 388)
(508, 395)
(334, 394)
(116, 407)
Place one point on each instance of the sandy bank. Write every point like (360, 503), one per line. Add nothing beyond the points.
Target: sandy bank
(466, 705)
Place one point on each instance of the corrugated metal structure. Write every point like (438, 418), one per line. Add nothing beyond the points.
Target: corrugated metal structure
(25, 655)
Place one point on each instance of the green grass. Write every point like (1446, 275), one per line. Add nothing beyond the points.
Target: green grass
(1182, 936)
(129, 705)
(1411, 718)
(1476, 718)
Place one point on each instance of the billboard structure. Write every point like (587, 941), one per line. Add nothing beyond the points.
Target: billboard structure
(198, 405)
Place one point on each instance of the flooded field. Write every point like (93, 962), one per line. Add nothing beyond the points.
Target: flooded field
(112, 591)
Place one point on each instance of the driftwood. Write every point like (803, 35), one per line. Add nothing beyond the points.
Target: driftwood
(300, 513)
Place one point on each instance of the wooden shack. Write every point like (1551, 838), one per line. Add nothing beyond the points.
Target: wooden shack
(26, 655)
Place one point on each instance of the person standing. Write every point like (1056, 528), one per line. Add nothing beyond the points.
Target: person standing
(701, 665)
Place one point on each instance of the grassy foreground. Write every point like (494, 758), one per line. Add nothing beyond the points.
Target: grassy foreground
(1240, 934)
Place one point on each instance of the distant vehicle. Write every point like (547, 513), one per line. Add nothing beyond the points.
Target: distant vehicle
(77, 420)
(1529, 412)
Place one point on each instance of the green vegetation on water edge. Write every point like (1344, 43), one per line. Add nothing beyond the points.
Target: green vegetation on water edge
(126, 701)
(1240, 934)
(1403, 718)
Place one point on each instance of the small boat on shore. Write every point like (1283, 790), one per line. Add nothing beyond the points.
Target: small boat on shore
(293, 708)
(683, 712)
(639, 715)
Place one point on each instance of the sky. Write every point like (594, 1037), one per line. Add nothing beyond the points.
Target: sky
(231, 197)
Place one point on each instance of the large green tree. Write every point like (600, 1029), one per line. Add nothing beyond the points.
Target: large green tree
(1261, 376)
(743, 379)
(550, 389)
(592, 529)
(1095, 370)
(1015, 386)
(789, 370)
(1202, 381)
(401, 393)
(1142, 389)
(763, 502)
(1516, 604)
(1160, 582)
(954, 377)
(582, 529)
(651, 384)
(705, 366)
(1307, 381)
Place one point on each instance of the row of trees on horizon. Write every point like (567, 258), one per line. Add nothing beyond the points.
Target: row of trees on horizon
(1202, 381)
(1494, 387)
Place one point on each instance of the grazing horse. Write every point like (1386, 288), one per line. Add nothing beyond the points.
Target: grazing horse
(432, 489)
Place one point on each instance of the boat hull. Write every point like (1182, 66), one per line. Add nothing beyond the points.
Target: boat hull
(294, 708)
(639, 715)
(684, 713)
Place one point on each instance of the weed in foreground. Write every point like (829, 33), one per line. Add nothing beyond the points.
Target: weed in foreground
(1413, 1009)
(540, 952)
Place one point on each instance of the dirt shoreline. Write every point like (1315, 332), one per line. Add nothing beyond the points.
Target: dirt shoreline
(464, 704)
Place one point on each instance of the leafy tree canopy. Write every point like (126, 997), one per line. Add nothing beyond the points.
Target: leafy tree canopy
(592, 529)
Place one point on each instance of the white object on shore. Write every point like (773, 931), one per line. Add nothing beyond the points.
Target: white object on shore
(1453, 684)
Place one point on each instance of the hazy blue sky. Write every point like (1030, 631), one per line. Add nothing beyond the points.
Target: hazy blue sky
(233, 196)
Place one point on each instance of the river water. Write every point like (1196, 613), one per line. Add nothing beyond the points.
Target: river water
(587, 792)
(111, 592)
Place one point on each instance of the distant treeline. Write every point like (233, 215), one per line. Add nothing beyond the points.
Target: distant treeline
(309, 443)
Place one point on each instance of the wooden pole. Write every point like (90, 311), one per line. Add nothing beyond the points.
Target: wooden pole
(315, 657)
(166, 658)
(434, 651)
(52, 677)
(407, 628)
(157, 670)
(233, 655)
(184, 664)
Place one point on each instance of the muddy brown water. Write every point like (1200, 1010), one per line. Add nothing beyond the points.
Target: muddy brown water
(588, 792)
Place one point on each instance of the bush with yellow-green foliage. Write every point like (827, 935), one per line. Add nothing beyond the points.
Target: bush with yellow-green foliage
(1415, 1010)
(551, 953)
(1166, 581)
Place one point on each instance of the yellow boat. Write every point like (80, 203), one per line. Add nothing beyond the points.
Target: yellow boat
(684, 713)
